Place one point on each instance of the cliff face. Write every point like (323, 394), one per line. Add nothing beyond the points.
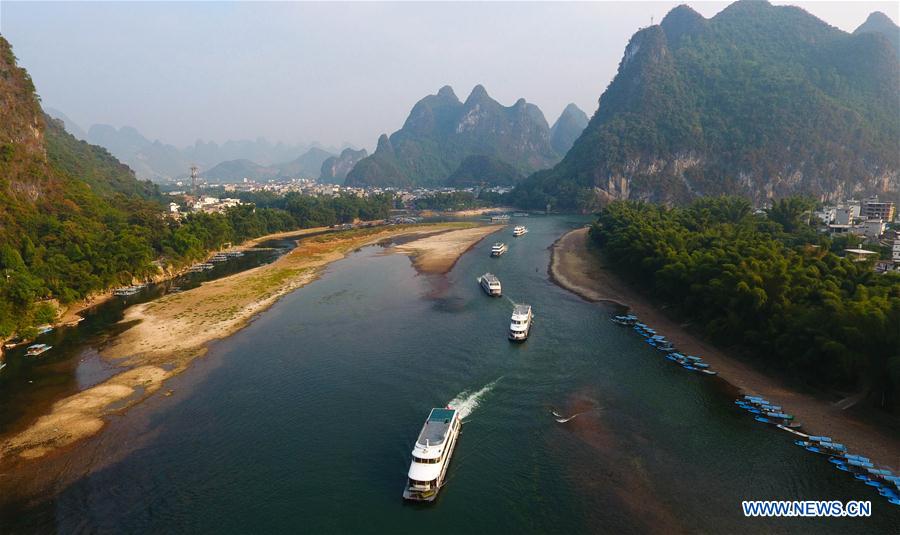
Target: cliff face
(334, 169)
(22, 153)
(441, 132)
(758, 101)
(567, 128)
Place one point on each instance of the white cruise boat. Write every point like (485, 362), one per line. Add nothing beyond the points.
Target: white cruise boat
(520, 230)
(520, 323)
(431, 455)
(37, 349)
(490, 284)
(498, 249)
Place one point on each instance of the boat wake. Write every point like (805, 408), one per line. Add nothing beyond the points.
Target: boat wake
(563, 419)
(466, 402)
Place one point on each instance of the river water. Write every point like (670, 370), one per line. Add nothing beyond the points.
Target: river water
(304, 420)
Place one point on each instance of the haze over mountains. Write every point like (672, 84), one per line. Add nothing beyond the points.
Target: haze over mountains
(441, 132)
(760, 101)
(158, 161)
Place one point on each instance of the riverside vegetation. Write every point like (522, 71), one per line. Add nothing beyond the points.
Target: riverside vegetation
(76, 221)
(766, 283)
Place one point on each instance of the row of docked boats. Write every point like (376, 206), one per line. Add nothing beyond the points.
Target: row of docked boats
(765, 412)
(651, 337)
(862, 468)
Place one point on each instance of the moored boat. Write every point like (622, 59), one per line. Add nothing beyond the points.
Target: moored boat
(627, 319)
(37, 349)
(520, 323)
(431, 455)
(126, 291)
(490, 284)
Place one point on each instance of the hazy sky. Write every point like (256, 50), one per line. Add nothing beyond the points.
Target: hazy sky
(330, 72)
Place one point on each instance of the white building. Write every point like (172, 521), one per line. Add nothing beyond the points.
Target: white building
(872, 228)
(844, 215)
(895, 248)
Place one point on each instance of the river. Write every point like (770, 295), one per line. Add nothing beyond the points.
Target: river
(304, 421)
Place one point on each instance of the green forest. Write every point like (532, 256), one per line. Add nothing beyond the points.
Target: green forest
(768, 284)
(77, 222)
(458, 200)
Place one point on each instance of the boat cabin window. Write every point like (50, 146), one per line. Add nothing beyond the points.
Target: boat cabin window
(426, 461)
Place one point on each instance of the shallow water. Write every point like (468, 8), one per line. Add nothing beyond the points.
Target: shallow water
(304, 421)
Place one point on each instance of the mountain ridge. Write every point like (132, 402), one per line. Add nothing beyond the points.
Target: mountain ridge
(761, 101)
(440, 132)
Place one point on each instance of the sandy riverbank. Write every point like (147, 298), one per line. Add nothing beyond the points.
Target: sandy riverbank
(170, 332)
(439, 253)
(578, 266)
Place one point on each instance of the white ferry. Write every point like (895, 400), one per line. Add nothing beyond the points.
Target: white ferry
(498, 249)
(431, 455)
(520, 230)
(490, 284)
(520, 323)
(37, 349)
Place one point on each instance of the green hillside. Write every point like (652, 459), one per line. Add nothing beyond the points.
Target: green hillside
(759, 101)
(441, 132)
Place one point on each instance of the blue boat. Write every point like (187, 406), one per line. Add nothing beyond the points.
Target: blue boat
(857, 457)
(819, 439)
(763, 420)
(880, 472)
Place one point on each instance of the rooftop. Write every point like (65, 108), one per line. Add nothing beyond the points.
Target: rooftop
(436, 426)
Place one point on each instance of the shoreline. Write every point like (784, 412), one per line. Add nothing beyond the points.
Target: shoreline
(438, 254)
(577, 267)
(73, 313)
(169, 333)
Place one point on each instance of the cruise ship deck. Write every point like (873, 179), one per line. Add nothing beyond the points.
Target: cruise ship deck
(435, 430)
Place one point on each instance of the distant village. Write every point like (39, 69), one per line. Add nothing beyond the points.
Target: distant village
(871, 221)
(198, 201)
